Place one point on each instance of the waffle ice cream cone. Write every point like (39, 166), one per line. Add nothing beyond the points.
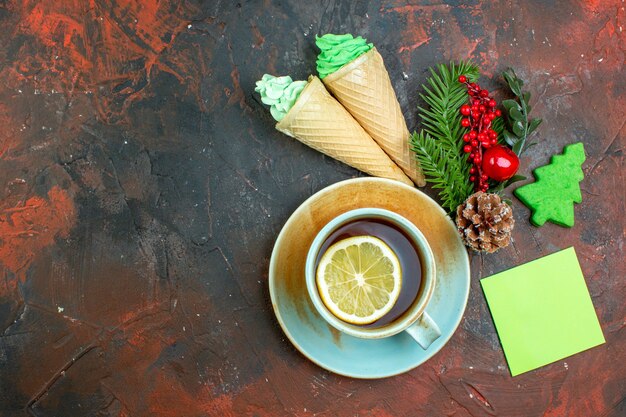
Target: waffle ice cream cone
(321, 122)
(364, 88)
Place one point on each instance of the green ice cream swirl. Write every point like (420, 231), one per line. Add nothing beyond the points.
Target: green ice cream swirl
(338, 50)
(280, 93)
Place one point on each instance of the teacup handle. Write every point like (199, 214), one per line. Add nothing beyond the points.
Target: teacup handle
(425, 331)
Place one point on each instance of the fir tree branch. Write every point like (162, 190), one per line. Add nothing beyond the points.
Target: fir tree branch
(498, 125)
(440, 168)
(444, 96)
(438, 146)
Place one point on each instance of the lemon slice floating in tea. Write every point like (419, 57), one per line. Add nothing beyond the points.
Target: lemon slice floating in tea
(359, 279)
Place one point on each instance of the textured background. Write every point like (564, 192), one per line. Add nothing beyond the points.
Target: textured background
(142, 185)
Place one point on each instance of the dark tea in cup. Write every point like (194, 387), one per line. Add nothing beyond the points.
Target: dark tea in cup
(403, 247)
(402, 283)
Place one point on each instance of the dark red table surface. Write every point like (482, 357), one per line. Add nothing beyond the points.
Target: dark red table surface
(142, 185)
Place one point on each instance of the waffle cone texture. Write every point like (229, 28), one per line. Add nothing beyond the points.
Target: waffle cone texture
(363, 87)
(318, 120)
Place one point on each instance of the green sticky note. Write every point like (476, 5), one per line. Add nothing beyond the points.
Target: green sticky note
(542, 311)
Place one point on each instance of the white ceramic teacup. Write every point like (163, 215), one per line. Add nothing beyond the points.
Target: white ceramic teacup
(415, 320)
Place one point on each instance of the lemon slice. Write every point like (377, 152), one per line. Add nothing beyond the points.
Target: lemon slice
(359, 279)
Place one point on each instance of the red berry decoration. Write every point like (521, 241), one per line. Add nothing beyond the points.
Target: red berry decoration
(500, 163)
(482, 140)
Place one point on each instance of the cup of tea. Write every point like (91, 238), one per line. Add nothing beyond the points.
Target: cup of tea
(372, 256)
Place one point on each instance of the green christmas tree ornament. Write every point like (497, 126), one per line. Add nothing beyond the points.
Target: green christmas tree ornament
(552, 197)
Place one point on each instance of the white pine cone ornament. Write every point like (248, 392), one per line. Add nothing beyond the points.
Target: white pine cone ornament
(485, 222)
